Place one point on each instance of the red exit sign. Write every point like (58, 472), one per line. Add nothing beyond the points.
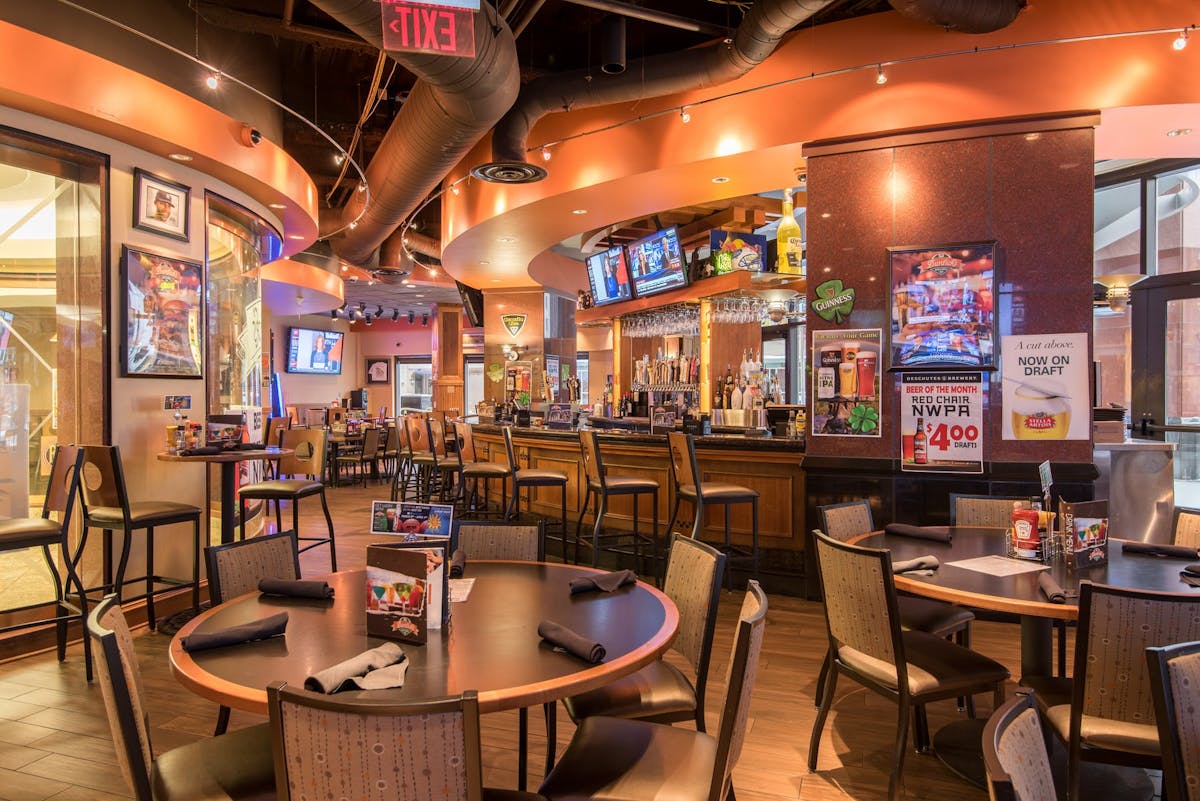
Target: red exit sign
(420, 28)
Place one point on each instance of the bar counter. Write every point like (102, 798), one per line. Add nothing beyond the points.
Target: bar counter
(770, 465)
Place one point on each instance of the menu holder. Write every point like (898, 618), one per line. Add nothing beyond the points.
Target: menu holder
(1085, 526)
(559, 417)
(407, 589)
(412, 521)
(662, 421)
(225, 430)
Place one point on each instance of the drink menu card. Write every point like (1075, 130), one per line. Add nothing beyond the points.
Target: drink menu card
(1086, 527)
(413, 520)
(407, 590)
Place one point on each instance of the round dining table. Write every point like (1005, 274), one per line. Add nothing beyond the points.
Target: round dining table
(228, 460)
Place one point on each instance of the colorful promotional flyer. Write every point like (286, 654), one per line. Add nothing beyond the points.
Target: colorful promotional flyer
(414, 520)
(1046, 387)
(846, 383)
(941, 422)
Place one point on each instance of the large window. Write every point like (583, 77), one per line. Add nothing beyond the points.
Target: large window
(414, 383)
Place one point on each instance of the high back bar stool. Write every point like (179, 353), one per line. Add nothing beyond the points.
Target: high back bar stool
(405, 477)
(420, 454)
(530, 478)
(472, 470)
(106, 506)
(685, 472)
(603, 486)
(445, 466)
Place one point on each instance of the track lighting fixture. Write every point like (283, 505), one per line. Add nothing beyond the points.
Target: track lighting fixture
(454, 190)
(411, 317)
(424, 319)
(684, 115)
(367, 319)
(880, 76)
(395, 315)
(545, 153)
(1181, 40)
(214, 80)
(333, 314)
(379, 311)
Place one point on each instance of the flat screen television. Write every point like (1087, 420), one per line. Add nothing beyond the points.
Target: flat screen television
(314, 351)
(656, 264)
(608, 275)
(472, 300)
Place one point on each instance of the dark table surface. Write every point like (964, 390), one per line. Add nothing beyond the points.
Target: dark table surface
(491, 644)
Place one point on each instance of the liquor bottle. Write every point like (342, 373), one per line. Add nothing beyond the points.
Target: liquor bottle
(920, 444)
(789, 240)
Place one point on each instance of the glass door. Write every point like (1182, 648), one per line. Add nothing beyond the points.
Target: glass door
(414, 383)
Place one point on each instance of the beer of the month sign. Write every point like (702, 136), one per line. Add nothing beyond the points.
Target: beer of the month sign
(1046, 387)
(434, 27)
(941, 422)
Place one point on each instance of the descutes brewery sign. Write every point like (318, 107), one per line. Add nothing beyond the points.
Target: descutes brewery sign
(440, 27)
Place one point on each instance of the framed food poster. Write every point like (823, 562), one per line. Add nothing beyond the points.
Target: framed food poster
(846, 383)
(943, 307)
(162, 324)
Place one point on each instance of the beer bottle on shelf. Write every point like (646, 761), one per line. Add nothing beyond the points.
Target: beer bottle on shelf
(920, 444)
(789, 240)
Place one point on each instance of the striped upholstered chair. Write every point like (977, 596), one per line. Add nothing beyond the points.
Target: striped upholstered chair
(983, 510)
(1014, 752)
(236, 767)
(419, 750)
(517, 542)
(1175, 685)
(1186, 530)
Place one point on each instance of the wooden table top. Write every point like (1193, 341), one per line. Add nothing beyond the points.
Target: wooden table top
(1018, 594)
(491, 644)
(228, 456)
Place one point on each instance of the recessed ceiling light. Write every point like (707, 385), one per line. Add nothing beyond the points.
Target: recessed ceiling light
(1032, 137)
(826, 216)
(720, 179)
(277, 205)
(420, 296)
(507, 240)
(484, 262)
(1179, 132)
(495, 280)
(295, 236)
(579, 211)
(179, 156)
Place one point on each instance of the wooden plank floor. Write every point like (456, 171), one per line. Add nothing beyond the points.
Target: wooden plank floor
(54, 740)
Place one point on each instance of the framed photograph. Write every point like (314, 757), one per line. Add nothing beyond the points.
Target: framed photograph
(162, 325)
(160, 205)
(378, 371)
(943, 301)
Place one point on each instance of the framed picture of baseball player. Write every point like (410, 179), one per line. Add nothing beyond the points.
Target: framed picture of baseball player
(160, 205)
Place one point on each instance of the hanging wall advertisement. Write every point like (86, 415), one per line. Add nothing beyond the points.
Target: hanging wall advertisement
(846, 383)
(1046, 387)
(941, 422)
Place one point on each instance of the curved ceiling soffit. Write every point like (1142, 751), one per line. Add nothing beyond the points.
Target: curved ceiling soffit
(659, 163)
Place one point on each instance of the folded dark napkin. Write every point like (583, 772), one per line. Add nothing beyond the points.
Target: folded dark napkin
(295, 588)
(927, 563)
(1158, 549)
(207, 450)
(938, 533)
(250, 446)
(605, 582)
(458, 563)
(377, 669)
(1189, 579)
(1051, 588)
(572, 642)
(1193, 570)
(235, 635)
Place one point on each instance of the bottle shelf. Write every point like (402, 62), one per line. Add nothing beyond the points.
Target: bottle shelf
(670, 387)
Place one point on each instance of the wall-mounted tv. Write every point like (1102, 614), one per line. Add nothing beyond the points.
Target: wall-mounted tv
(656, 264)
(313, 351)
(472, 300)
(608, 275)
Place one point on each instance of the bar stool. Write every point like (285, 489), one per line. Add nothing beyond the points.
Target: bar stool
(106, 506)
(531, 478)
(405, 476)
(421, 458)
(685, 472)
(445, 469)
(604, 486)
(471, 469)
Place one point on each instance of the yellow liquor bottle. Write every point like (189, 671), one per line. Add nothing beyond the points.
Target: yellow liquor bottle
(789, 240)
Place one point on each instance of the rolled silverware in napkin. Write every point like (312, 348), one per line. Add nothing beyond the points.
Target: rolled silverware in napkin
(458, 563)
(204, 450)
(1051, 588)
(936, 533)
(295, 588)
(1157, 549)
(1193, 570)
(235, 635)
(570, 641)
(929, 562)
(377, 669)
(1189, 579)
(604, 582)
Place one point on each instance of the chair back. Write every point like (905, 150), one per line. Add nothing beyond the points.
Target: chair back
(860, 601)
(101, 478)
(418, 434)
(124, 699)
(64, 484)
(841, 521)
(510, 450)
(684, 470)
(275, 428)
(1186, 530)
(308, 459)
(1014, 752)
(402, 433)
(1175, 684)
(437, 434)
(465, 432)
(370, 443)
(693, 582)
(983, 510)
(236, 568)
(589, 449)
(402, 751)
(1116, 626)
(391, 445)
(501, 540)
(292, 415)
(314, 418)
(743, 669)
(335, 416)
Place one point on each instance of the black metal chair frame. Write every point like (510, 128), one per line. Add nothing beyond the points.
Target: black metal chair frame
(598, 488)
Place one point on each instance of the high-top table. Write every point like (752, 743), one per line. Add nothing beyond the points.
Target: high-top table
(228, 461)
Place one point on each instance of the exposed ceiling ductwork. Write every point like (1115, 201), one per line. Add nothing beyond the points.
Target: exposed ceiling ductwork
(964, 16)
(453, 104)
(756, 38)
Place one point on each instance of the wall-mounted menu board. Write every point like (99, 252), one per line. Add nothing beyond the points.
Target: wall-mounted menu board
(942, 306)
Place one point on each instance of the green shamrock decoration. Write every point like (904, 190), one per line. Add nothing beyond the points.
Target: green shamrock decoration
(864, 419)
(834, 302)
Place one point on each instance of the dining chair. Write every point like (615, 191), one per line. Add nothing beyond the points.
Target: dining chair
(405, 478)
(1106, 713)
(474, 470)
(236, 568)
(617, 759)
(106, 506)
(501, 540)
(1186, 528)
(390, 452)
(271, 438)
(421, 459)
(445, 466)
(1015, 759)
(992, 511)
(1175, 685)
(21, 533)
(306, 466)
(236, 767)
(531, 478)
(332, 747)
(602, 485)
(660, 692)
(367, 455)
(868, 645)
